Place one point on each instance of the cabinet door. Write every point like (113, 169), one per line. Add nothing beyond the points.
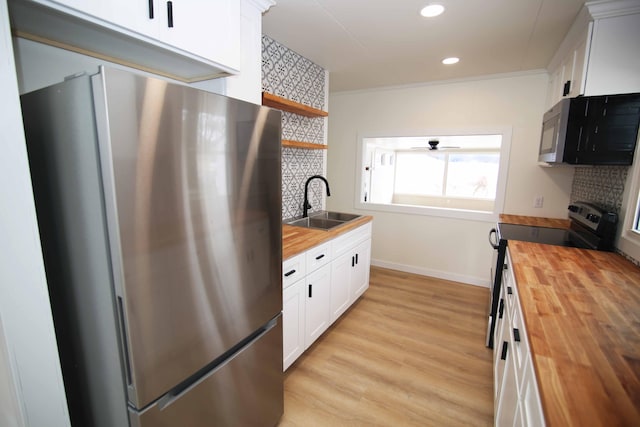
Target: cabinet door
(614, 136)
(340, 281)
(218, 28)
(530, 399)
(293, 316)
(507, 403)
(605, 127)
(317, 305)
(501, 349)
(498, 340)
(95, 8)
(360, 273)
(578, 68)
(140, 16)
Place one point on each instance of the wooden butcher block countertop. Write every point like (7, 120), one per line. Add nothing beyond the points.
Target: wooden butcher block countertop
(535, 221)
(582, 315)
(296, 240)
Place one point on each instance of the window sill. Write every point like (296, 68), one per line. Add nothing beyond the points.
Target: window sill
(431, 211)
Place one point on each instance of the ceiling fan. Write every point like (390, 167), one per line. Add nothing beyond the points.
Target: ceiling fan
(433, 146)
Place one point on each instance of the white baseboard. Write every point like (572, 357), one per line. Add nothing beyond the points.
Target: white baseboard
(446, 275)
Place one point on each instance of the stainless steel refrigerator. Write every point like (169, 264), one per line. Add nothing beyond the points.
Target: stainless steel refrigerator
(159, 208)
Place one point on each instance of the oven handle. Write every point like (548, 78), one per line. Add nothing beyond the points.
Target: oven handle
(494, 244)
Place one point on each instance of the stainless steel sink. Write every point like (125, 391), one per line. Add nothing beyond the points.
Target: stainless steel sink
(337, 216)
(324, 220)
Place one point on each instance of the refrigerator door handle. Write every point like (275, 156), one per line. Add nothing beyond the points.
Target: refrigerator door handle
(183, 388)
(124, 342)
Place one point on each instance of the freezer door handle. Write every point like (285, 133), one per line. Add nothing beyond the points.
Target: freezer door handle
(202, 375)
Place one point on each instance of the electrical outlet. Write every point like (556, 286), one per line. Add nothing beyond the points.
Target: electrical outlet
(538, 201)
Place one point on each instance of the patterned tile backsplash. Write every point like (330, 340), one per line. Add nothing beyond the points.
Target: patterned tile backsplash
(603, 185)
(600, 184)
(290, 75)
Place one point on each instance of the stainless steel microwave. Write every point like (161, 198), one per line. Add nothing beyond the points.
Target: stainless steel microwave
(554, 132)
(591, 130)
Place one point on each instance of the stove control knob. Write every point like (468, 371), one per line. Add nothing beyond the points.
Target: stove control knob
(573, 208)
(593, 218)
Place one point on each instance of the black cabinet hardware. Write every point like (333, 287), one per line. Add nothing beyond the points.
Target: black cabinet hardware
(566, 88)
(501, 309)
(353, 261)
(509, 290)
(516, 334)
(151, 14)
(310, 290)
(289, 273)
(320, 256)
(505, 345)
(170, 14)
(356, 258)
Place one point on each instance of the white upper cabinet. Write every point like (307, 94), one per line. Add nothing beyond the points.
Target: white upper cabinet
(207, 28)
(599, 53)
(614, 57)
(189, 40)
(567, 67)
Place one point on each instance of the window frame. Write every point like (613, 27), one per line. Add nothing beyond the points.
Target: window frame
(505, 149)
(629, 241)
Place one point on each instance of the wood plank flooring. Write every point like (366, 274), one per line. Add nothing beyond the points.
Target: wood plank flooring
(410, 352)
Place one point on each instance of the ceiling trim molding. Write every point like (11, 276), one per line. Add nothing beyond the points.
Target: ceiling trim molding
(262, 5)
(446, 81)
(607, 8)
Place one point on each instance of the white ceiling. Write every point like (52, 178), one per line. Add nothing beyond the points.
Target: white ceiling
(373, 43)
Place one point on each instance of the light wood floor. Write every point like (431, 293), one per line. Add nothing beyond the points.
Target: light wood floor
(410, 352)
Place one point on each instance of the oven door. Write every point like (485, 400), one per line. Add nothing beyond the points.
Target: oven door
(499, 250)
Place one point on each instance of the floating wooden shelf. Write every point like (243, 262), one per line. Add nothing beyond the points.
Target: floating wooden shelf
(299, 144)
(274, 101)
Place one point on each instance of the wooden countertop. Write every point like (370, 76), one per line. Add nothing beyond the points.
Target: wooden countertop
(582, 314)
(535, 221)
(298, 239)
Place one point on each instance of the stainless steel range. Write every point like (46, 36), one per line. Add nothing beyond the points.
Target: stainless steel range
(591, 227)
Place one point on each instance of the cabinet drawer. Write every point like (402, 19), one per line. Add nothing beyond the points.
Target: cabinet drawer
(318, 256)
(293, 269)
(351, 239)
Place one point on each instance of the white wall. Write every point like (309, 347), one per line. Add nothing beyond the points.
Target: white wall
(442, 247)
(31, 381)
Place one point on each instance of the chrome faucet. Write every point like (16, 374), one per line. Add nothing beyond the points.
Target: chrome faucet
(306, 206)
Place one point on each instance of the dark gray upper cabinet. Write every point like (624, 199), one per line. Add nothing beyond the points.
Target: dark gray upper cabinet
(603, 130)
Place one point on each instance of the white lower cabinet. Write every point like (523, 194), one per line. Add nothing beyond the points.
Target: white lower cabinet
(293, 302)
(318, 294)
(319, 285)
(517, 402)
(360, 272)
(340, 277)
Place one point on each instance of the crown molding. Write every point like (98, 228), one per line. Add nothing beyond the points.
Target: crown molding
(607, 8)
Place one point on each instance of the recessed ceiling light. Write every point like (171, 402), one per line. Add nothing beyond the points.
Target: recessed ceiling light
(449, 61)
(432, 10)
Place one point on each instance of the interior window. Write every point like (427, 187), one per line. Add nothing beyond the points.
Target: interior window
(452, 172)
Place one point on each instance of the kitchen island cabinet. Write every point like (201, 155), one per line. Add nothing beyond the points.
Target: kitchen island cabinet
(580, 310)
